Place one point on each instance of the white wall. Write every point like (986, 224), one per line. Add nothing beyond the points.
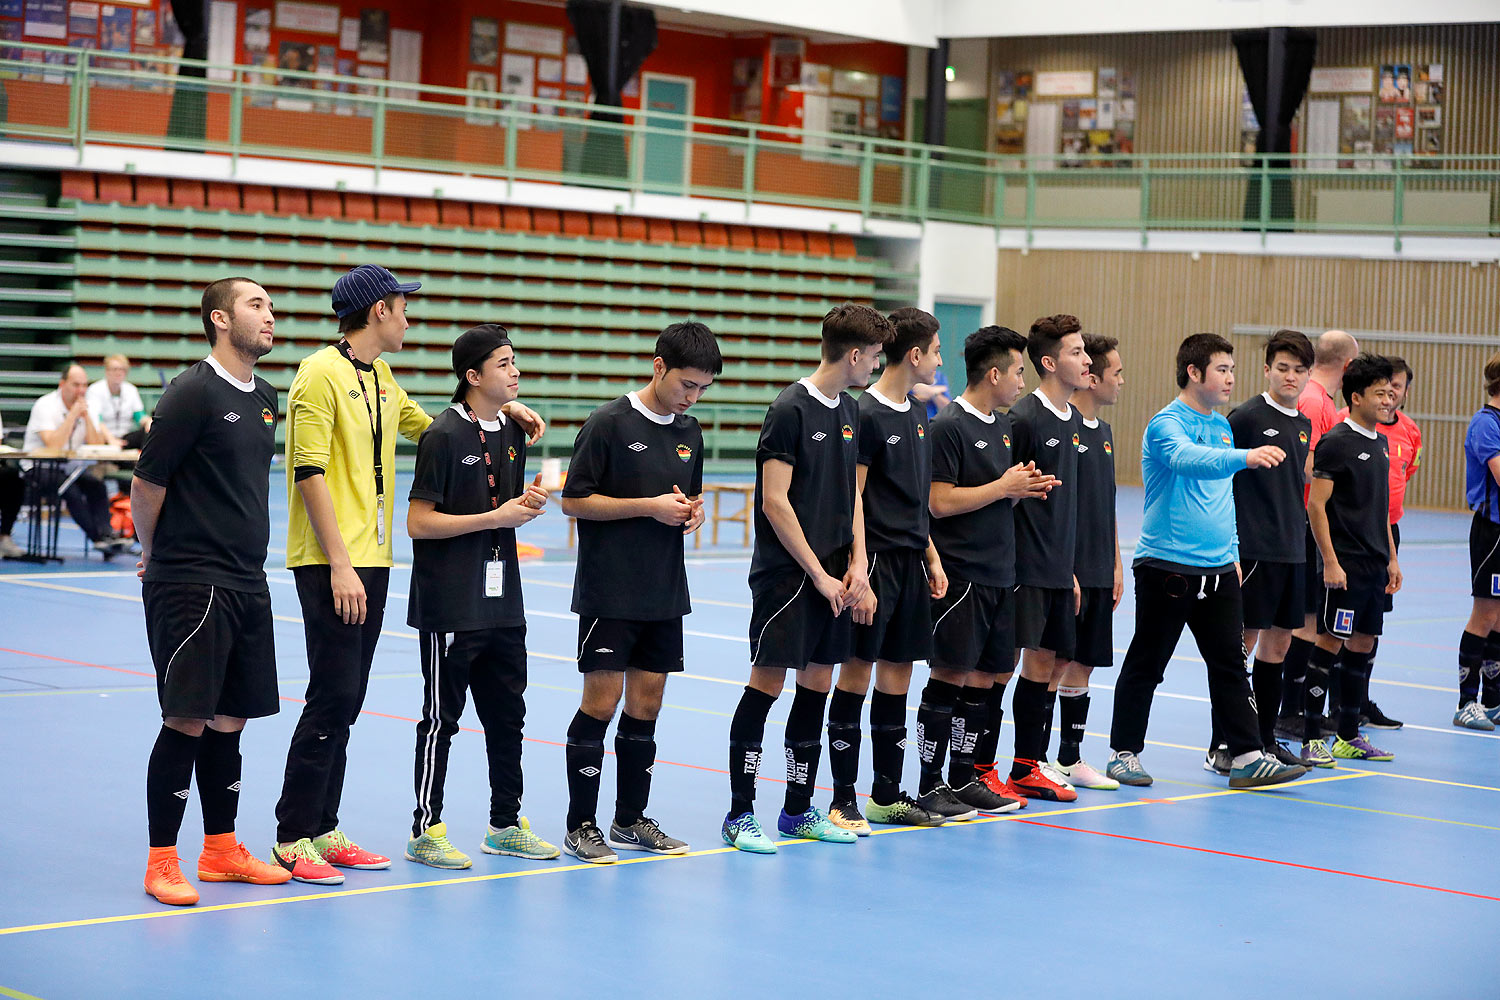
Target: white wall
(958, 264)
(906, 22)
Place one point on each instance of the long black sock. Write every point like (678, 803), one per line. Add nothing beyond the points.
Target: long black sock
(1356, 670)
(1319, 664)
(1050, 711)
(169, 775)
(1471, 652)
(989, 736)
(1073, 703)
(746, 731)
(844, 710)
(887, 744)
(635, 756)
(219, 780)
(968, 720)
(1489, 670)
(934, 725)
(804, 724)
(1028, 710)
(1335, 686)
(1294, 677)
(584, 755)
(1265, 681)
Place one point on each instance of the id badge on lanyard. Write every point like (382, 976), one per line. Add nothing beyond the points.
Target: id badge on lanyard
(494, 576)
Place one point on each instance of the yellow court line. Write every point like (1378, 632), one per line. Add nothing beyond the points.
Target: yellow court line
(6, 991)
(1430, 781)
(1388, 812)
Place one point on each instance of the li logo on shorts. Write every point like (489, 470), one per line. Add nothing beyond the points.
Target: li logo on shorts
(1343, 622)
(1495, 584)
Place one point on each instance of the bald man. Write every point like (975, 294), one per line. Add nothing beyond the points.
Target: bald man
(60, 420)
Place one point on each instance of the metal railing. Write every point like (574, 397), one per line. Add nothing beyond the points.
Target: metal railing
(84, 97)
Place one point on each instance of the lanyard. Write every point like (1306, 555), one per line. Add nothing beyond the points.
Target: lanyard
(377, 425)
(489, 469)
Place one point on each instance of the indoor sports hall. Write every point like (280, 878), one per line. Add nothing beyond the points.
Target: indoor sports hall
(586, 173)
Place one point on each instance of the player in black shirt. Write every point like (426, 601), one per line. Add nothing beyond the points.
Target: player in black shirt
(809, 575)
(200, 502)
(1349, 510)
(893, 475)
(1101, 575)
(468, 495)
(1048, 431)
(634, 483)
(1272, 522)
(975, 485)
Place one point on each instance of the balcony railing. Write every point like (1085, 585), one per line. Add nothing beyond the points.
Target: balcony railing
(83, 97)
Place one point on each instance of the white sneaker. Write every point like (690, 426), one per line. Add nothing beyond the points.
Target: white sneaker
(1082, 775)
(9, 549)
(1052, 774)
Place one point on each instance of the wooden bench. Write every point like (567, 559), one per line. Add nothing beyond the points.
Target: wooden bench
(742, 516)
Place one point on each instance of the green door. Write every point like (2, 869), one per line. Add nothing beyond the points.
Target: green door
(665, 155)
(957, 320)
(953, 189)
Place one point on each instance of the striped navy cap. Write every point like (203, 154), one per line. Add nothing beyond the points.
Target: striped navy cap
(366, 285)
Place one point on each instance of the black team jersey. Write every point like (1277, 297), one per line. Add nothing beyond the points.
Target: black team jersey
(815, 435)
(633, 568)
(210, 447)
(1268, 503)
(1047, 530)
(1359, 508)
(893, 446)
(1095, 562)
(970, 449)
(448, 574)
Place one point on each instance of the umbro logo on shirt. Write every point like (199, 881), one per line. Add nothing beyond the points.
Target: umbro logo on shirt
(1082, 448)
(893, 439)
(1053, 442)
(604, 649)
(470, 459)
(819, 436)
(1270, 432)
(353, 394)
(231, 416)
(981, 443)
(1364, 456)
(637, 447)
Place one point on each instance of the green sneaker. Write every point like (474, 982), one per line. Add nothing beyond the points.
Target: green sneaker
(902, 812)
(813, 825)
(743, 833)
(435, 850)
(518, 842)
(1317, 752)
(1359, 748)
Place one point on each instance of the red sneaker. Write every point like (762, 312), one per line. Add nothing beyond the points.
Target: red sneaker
(306, 864)
(164, 878)
(997, 784)
(338, 849)
(1036, 785)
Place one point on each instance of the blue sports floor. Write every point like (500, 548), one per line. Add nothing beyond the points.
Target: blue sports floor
(1377, 881)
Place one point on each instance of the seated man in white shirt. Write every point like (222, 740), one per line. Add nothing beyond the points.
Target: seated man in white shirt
(116, 405)
(12, 493)
(60, 419)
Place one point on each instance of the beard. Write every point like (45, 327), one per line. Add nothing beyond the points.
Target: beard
(248, 342)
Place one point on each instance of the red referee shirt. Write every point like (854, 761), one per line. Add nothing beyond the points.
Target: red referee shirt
(1405, 439)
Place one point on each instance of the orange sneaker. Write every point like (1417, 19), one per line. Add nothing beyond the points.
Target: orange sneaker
(235, 863)
(1035, 784)
(338, 849)
(164, 878)
(992, 780)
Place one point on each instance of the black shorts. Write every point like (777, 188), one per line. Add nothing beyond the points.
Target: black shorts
(1484, 557)
(1275, 595)
(902, 629)
(214, 651)
(1390, 599)
(1094, 644)
(1046, 619)
(618, 644)
(1313, 577)
(1359, 607)
(791, 624)
(973, 628)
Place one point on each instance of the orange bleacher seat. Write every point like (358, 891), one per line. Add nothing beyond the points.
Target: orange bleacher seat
(546, 220)
(291, 201)
(390, 208)
(358, 205)
(326, 204)
(224, 196)
(659, 231)
(455, 213)
(187, 194)
(575, 223)
(423, 211)
(486, 216)
(82, 185)
(152, 191)
(259, 199)
(843, 245)
(632, 227)
(515, 218)
(116, 188)
(741, 237)
(605, 226)
(766, 239)
(819, 244)
(688, 232)
(793, 241)
(715, 234)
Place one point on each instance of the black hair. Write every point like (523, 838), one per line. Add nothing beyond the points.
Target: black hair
(1196, 352)
(914, 328)
(689, 345)
(1399, 366)
(849, 326)
(1364, 371)
(990, 347)
(219, 295)
(1292, 342)
(1097, 346)
(357, 321)
(1045, 338)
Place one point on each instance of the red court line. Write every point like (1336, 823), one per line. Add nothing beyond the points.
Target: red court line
(1252, 857)
(77, 663)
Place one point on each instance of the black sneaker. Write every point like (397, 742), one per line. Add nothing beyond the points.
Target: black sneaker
(979, 795)
(1289, 727)
(587, 844)
(904, 811)
(644, 835)
(1218, 761)
(941, 800)
(1285, 756)
(1373, 718)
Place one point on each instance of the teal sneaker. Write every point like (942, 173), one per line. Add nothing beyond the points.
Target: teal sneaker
(1125, 767)
(1473, 716)
(743, 833)
(814, 825)
(518, 842)
(435, 850)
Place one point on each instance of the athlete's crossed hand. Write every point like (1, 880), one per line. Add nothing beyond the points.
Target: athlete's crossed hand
(676, 509)
(1023, 482)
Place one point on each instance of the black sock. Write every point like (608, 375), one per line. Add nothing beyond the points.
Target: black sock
(219, 780)
(1028, 710)
(1356, 670)
(169, 774)
(1471, 652)
(804, 746)
(746, 731)
(844, 710)
(887, 744)
(584, 754)
(1051, 711)
(963, 736)
(989, 736)
(1319, 663)
(1074, 706)
(1335, 686)
(635, 755)
(934, 725)
(1294, 677)
(1489, 670)
(1265, 681)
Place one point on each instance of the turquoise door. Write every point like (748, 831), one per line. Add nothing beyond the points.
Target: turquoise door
(664, 160)
(958, 320)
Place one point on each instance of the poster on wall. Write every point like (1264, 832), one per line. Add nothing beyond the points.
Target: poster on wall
(12, 8)
(1429, 86)
(484, 41)
(317, 18)
(257, 34)
(891, 91)
(786, 61)
(374, 35)
(481, 82)
(1342, 80)
(46, 19)
(83, 18)
(549, 71)
(536, 38)
(1355, 130)
(816, 79)
(116, 28)
(1073, 83)
(856, 84)
(1109, 83)
(517, 79)
(1395, 84)
(1323, 132)
(349, 34)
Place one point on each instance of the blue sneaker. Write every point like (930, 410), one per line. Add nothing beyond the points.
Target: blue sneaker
(1493, 714)
(1125, 767)
(813, 825)
(1262, 771)
(743, 833)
